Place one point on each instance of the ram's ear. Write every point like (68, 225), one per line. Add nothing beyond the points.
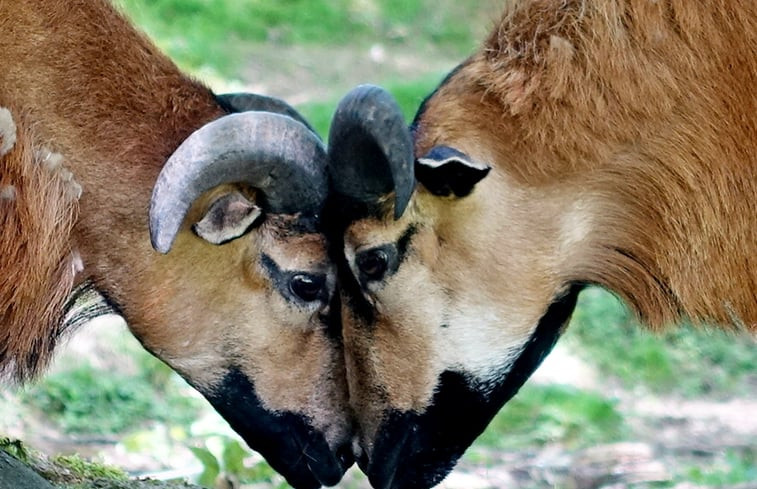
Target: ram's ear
(446, 171)
(227, 218)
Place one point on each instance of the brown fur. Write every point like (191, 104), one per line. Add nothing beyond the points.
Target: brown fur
(646, 112)
(36, 256)
(622, 136)
(96, 91)
(99, 93)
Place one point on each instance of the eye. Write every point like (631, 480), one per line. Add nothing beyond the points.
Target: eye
(373, 264)
(307, 287)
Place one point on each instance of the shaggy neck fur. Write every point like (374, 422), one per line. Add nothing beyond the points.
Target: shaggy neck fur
(101, 95)
(37, 212)
(645, 111)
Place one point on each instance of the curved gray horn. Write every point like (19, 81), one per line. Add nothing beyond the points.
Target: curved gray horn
(370, 149)
(271, 152)
(243, 102)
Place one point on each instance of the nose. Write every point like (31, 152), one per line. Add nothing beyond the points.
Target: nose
(345, 456)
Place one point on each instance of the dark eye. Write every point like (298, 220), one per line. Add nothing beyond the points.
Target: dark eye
(307, 287)
(373, 264)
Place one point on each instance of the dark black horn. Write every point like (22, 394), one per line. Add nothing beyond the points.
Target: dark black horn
(271, 152)
(370, 149)
(243, 102)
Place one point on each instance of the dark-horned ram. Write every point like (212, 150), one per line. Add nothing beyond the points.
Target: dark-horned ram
(587, 142)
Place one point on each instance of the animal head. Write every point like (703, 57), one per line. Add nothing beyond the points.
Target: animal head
(437, 333)
(237, 297)
(264, 345)
(567, 151)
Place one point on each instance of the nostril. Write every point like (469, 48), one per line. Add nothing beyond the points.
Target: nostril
(344, 456)
(363, 461)
(361, 456)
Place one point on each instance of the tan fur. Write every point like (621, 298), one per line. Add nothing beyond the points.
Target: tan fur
(646, 110)
(36, 255)
(622, 136)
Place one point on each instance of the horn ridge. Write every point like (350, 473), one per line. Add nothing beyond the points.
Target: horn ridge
(272, 152)
(370, 149)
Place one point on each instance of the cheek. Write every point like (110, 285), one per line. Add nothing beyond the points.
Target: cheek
(406, 339)
(481, 341)
(391, 356)
(301, 372)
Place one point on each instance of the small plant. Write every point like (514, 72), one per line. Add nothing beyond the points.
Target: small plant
(86, 470)
(89, 400)
(14, 448)
(554, 413)
(231, 461)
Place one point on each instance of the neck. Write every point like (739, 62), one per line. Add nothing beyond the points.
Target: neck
(662, 158)
(99, 93)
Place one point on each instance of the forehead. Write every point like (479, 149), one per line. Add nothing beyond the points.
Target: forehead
(375, 231)
(293, 240)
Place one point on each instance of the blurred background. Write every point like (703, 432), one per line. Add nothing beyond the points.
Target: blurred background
(612, 407)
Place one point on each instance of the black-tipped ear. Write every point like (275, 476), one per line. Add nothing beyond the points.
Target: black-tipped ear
(445, 171)
(228, 217)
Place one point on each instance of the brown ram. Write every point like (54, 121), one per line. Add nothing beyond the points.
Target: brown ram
(92, 118)
(607, 142)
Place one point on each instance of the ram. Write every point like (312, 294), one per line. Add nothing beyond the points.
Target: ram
(587, 142)
(100, 131)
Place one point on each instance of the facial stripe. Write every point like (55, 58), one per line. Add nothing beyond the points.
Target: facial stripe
(286, 281)
(460, 410)
(403, 244)
(287, 440)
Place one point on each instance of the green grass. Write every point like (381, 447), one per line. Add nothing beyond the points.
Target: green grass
(85, 399)
(541, 414)
(731, 467)
(204, 33)
(409, 95)
(683, 361)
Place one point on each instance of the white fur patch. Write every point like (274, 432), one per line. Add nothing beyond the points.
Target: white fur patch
(7, 131)
(478, 343)
(432, 163)
(50, 161)
(204, 369)
(7, 192)
(53, 162)
(73, 190)
(77, 265)
(575, 226)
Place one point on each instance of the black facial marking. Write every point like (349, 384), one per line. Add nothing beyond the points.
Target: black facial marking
(446, 171)
(427, 445)
(350, 290)
(375, 264)
(403, 243)
(296, 286)
(287, 440)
